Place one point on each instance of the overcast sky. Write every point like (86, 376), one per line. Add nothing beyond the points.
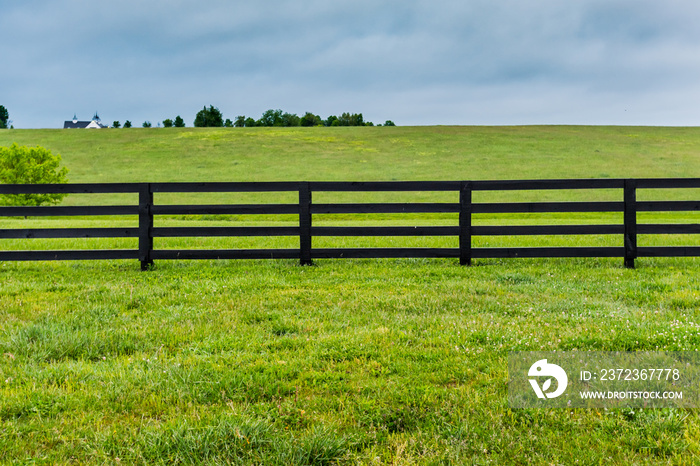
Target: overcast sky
(416, 62)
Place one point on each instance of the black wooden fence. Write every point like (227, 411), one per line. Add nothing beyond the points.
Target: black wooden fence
(306, 209)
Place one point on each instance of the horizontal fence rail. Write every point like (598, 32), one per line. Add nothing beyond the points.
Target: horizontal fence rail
(305, 230)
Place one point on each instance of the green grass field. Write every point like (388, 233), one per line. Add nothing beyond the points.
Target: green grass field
(363, 154)
(351, 361)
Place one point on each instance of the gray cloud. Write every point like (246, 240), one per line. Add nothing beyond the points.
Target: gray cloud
(416, 62)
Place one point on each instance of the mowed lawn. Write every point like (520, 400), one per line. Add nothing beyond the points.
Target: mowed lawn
(348, 361)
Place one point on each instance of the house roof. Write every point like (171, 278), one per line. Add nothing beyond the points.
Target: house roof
(71, 124)
(75, 124)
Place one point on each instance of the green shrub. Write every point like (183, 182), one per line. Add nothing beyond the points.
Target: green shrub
(30, 165)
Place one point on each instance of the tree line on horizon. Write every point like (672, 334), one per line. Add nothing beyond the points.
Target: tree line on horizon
(212, 117)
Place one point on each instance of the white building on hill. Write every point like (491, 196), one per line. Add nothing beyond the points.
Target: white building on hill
(94, 123)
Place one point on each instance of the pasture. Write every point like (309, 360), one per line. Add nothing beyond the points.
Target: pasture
(349, 361)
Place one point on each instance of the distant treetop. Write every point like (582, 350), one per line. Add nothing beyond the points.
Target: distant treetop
(212, 117)
(279, 118)
(4, 117)
(209, 117)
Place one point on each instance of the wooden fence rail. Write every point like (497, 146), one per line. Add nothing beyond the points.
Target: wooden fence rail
(305, 209)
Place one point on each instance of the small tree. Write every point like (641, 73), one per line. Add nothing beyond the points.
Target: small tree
(179, 122)
(389, 123)
(309, 119)
(348, 119)
(167, 123)
(356, 119)
(209, 117)
(228, 123)
(240, 121)
(290, 119)
(271, 118)
(127, 124)
(30, 165)
(116, 124)
(146, 124)
(4, 117)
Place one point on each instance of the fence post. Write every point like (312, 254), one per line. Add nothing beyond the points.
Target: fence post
(465, 223)
(305, 223)
(630, 223)
(145, 225)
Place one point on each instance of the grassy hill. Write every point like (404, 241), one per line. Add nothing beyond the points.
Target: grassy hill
(374, 153)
